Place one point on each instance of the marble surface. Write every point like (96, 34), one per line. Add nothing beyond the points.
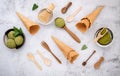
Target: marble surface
(15, 63)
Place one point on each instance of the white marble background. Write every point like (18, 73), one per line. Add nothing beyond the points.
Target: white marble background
(15, 62)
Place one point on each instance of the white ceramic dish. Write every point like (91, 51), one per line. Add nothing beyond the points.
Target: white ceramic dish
(52, 19)
(106, 44)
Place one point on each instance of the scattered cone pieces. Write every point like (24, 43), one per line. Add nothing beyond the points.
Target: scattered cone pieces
(87, 21)
(31, 26)
(68, 52)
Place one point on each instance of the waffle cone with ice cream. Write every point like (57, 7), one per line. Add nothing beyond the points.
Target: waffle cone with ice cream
(87, 21)
(68, 52)
(31, 26)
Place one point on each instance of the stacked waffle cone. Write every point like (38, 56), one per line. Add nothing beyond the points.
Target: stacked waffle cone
(31, 26)
(87, 21)
(68, 52)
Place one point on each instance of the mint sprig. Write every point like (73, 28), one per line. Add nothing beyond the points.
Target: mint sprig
(17, 31)
(84, 47)
(35, 6)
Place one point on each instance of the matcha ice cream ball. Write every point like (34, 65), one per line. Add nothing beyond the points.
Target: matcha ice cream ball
(11, 35)
(11, 43)
(19, 40)
(59, 22)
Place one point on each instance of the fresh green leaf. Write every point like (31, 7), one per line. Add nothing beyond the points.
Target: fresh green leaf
(21, 31)
(35, 6)
(17, 31)
(16, 34)
(84, 47)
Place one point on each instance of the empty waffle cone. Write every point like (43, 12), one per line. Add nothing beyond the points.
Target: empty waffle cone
(31, 26)
(68, 52)
(87, 21)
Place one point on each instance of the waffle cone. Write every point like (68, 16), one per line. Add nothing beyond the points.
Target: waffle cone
(68, 52)
(87, 21)
(31, 26)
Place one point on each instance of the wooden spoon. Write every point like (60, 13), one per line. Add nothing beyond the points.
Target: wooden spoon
(68, 31)
(45, 45)
(72, 34)
(98, 63)
(71, 17)
(64, 9)
(100, 35)
(85, 62)
(46, 60)
(32, 58)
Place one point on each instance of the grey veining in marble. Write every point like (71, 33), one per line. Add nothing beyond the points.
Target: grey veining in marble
(15, 62)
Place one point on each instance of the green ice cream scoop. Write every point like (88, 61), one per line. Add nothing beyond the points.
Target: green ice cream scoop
(11, 35)
(19, 40)
(59, 22)
(11, 43)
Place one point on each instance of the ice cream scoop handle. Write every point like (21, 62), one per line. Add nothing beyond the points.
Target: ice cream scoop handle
(90, 55)
(72, 34)
(68, 5)
(41, 55)
(37, 64)
(97, 38)
(76, 12)
(56, 58)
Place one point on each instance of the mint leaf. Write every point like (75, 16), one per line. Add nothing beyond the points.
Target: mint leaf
(35, 6)
(84, 47)
(20, 31)
(17, 31)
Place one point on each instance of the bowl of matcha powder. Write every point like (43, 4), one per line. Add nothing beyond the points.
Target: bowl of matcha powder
(107, 39)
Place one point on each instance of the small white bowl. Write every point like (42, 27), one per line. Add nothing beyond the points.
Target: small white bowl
(106, 44)
(52, 19)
